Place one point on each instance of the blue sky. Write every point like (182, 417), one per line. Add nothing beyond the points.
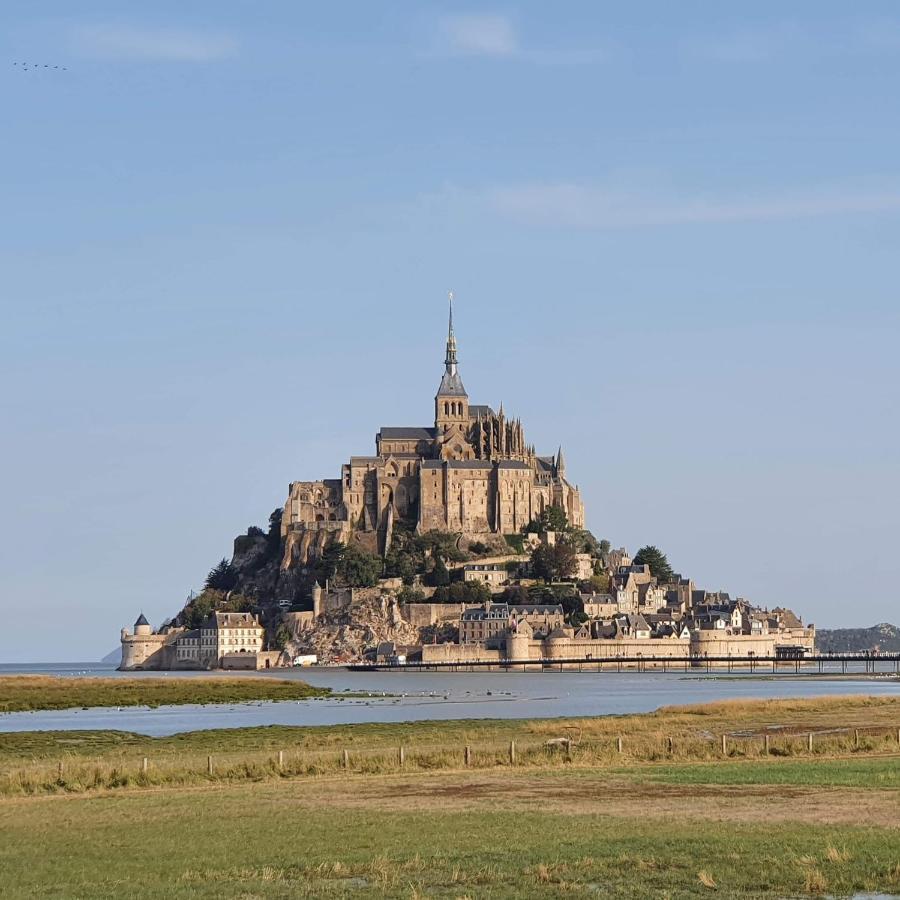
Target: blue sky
(228, 231)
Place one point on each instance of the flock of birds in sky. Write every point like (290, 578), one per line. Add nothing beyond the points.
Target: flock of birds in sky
(26, 66)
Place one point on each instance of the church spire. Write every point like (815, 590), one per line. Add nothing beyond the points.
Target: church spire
(560, 464)
(450, 359)
(451, 401)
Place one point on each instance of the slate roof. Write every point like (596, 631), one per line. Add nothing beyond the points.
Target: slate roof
(476, 410)
(421, 434)
(231, 620)
(141, 620)
(536, 609)
(512, 464)
(451, 386)
(788, 617)
(478, 614)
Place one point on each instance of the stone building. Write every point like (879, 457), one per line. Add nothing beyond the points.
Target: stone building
(229, 632)
(144, 648)
(491, 574)
(489, 624)
(472, 471)
(221, 635)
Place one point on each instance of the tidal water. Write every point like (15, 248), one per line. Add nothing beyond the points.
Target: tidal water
(417, 696)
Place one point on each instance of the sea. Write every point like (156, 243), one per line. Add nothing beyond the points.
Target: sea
(409, 696)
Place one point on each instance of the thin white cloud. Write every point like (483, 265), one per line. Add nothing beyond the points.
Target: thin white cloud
(495, 36)
(481, 34)
(573, 205)
(143, 44)
(795, 41)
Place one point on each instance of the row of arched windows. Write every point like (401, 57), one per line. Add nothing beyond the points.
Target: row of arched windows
(453, 408)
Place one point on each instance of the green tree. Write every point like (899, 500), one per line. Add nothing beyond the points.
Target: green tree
(476, 592)
(408, 594)
(222, 576)
(553, 518)
(656, 559)
(552, 563)
(517, 595)
(358, 568)
(401, 563)
(274, 533)
(441, 543)
(281, 637)
(199, 608)
(238, 603)
(600, 583)
(469, 592)
(439, 575)
(328, 562)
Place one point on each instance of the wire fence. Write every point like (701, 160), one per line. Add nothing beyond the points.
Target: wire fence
(80, 773)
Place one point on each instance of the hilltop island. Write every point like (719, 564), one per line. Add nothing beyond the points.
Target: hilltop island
(454, 542)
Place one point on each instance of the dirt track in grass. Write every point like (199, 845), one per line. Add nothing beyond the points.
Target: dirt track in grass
(623, 797)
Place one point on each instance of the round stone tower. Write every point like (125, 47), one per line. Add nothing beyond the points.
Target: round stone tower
(140, 648)
(518, 645)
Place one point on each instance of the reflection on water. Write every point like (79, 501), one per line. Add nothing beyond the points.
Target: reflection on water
(430, 695)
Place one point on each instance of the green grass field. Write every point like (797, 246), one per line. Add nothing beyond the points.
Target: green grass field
(597, 824)
(867, 773)
(21, 693)
(437, 836)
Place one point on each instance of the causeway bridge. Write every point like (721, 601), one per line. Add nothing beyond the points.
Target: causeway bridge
(826, 664)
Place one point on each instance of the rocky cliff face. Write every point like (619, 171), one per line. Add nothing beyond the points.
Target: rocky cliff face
(257, 565)
(344, 635)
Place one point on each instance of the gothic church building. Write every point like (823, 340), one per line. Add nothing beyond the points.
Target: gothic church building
(471, 472)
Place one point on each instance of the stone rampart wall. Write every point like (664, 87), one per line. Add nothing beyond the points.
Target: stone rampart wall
(453, 653)
(421, 615)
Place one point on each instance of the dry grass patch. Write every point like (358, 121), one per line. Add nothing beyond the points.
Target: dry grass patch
(837, 856)
(815, 882)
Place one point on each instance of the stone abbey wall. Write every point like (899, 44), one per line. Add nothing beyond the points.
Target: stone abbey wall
(471, 472)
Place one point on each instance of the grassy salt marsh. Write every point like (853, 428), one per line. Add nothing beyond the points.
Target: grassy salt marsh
(21, 693)
(670, 815)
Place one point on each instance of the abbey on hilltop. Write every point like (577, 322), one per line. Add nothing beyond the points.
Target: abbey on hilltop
(471, 472)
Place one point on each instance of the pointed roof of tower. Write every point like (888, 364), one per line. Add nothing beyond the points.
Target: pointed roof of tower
(451, 383)
(141, 620)
(560, 462)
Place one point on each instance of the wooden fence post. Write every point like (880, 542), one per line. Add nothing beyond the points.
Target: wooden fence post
(512, 753)
(281, 759)
(724, 746)
(809, 743)
(345, 759)
(767, 744)
(468, 756)
(856, 738)
(402, 755)
(144, 764)
(61, 768)
(209, 765)
(898, 738)
(670, 745)
(619, 744)
(569, 748)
